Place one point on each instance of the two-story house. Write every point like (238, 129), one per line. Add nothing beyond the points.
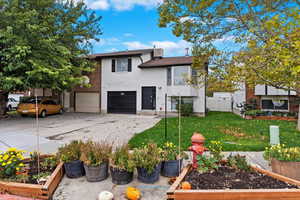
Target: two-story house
(138, 82)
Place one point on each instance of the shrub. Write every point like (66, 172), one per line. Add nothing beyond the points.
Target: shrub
(207, 163)
(11, 162)
(147, 156)
(95, 153)
(122, 159)
(171, 152)
(185, 109)
(70, 152)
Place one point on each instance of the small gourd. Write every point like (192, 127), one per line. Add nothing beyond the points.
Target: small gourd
(105, 195)
(186, 185)
(133, 193)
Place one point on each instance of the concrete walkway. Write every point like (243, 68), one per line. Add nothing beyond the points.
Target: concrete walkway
(59, 129)
(79, 189)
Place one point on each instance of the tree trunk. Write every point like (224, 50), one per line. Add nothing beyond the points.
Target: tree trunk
(3, 102)
(299, 119)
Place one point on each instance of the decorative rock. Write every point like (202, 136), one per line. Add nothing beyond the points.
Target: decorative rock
(105, 195)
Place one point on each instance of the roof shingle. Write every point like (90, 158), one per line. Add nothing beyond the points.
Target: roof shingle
(168, 61)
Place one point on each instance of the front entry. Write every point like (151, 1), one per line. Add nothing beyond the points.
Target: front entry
(148, 98)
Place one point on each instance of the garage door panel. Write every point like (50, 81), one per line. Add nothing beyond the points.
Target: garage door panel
(87, 102)
(121, 102)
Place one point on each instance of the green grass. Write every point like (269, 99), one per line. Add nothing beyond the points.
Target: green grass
(236, 133)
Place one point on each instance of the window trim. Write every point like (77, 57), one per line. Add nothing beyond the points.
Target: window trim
(115, 64)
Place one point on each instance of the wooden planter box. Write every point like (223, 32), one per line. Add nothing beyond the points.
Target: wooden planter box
(286, 168)
(234, 194)
(33, 190)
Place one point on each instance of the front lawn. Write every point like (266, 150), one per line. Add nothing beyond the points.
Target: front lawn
(236, 133)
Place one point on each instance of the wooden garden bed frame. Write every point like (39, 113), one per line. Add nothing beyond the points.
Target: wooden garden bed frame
(235, 194)
(34, 190)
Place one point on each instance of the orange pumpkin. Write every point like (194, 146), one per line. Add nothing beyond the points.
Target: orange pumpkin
(186, 186)
(133, 193)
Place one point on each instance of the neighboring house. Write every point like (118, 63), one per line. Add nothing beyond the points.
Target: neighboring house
(137, 82)
(268, 98)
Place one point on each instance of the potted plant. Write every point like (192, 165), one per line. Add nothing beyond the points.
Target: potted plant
(172, 160)
(70, 155)
(284, 160)
(148, 162)
(121, 166)
(95, 156)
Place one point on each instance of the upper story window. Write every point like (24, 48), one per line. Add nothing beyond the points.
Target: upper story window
(180, 74)
(121, 65)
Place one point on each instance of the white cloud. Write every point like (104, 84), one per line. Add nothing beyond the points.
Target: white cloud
(96, 4)
(120, 5)
(129, 4)
(171, 48)
(225, 39)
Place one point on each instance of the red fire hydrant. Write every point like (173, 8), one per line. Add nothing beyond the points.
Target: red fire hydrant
(197, 147)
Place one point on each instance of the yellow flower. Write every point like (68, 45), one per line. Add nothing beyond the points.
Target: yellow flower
(12, 149)
(5, 157)
(21, 165)
(17, 168)
(3, 164)
(9, 162)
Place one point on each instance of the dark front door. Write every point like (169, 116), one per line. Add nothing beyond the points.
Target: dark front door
(148, 98)
(121, 102)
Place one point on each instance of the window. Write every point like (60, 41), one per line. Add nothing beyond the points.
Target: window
(184, 100)
(269, 104)
(169, 76)
(121, 65)
(180, 74)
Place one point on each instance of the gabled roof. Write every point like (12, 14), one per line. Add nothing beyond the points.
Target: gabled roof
(121, 53)
(168, 61)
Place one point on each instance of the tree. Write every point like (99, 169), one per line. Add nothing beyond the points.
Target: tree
(267, 31)
(43, 44)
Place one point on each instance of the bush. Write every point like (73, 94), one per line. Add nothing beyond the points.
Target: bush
(11, 162)
(186, 109)
(70, 152)
(148, 156)
(95, 153)
(122, 159)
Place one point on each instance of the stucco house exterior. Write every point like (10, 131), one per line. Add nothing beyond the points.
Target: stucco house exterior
(137, 82)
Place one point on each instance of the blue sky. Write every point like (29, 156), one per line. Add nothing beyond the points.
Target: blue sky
(133, 24)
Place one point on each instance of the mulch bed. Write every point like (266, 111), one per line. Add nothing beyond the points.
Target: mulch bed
(275, 118)
(229, 178)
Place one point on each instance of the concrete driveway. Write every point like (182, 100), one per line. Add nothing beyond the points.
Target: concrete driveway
(56, 130)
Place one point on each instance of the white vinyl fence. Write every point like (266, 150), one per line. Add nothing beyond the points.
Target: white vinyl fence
(222, 104)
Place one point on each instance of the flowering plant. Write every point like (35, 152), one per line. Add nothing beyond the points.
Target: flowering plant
(11, 162)
(216, 148)
(122, 159)
(282, 153)
(148, 156)
(171, 152)
(70, 152)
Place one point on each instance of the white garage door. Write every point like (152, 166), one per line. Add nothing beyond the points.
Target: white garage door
(87, 102)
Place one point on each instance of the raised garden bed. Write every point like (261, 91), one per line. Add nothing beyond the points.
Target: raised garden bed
(43, 191)
(275, 186)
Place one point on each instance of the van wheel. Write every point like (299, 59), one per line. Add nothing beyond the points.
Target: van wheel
(43, 114)
(9, 108)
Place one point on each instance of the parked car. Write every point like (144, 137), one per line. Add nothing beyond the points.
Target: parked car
(12, 104)
(46, 106)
